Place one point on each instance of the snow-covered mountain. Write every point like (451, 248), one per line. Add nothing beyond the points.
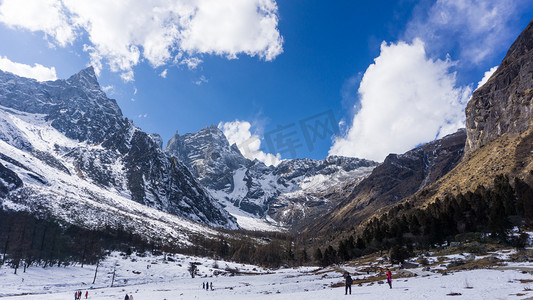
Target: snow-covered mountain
(250, 190)
(67, 151)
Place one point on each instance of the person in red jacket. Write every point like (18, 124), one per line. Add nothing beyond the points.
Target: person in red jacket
(389, 277)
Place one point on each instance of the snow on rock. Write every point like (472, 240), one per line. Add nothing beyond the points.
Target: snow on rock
(251, 190)
(80, 160)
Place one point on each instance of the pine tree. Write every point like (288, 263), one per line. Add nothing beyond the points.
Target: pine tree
(318, 255)
(499, 223)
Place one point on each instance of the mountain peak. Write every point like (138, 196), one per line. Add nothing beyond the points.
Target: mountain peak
(86, 77)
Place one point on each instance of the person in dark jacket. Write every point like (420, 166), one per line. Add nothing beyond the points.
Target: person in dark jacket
(348, 283)
(127, 297)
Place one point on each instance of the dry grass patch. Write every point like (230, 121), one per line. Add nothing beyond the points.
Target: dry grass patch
(525, 280)
(338, 284)
(484, 263)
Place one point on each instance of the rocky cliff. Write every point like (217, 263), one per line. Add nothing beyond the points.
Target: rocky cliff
(504, 105)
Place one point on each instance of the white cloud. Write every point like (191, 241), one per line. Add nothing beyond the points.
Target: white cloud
(201, 80)
(108, 89)
(47, 16)
(406, 99)
(164, 73)
(191, 62)
(231, 27)
(486, 77)
(474, 28)
(37, 71)
(142, 116)
(124, 32)
(238, 132)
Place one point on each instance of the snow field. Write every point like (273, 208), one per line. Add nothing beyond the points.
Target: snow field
(153, 277)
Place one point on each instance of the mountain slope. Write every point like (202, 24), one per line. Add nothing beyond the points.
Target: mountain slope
(399, 176)
(67, 142)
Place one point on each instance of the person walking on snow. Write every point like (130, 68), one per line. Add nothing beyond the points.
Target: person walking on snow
(127, 297)
(389, 277)
(86, 294)
(348, 283)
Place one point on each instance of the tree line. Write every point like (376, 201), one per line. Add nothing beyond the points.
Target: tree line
(27, 239)
(491, 211)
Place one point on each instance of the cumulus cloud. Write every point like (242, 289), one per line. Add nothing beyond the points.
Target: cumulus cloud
(486, 77)
(238, 132)
(37, 71)
(124, 32)
(47, 16)
(164, 73)
(473, 28)
(406, 98)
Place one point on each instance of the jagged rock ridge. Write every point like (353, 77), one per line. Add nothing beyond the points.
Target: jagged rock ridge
(71, 127)
(285, 194)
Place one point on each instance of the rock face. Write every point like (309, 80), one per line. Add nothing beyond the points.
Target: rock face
(499, 120)
(285, 194)
(8, 181)
(71, 127)
(77, 106)
(505, 103)
(209, 156)
(399, 176)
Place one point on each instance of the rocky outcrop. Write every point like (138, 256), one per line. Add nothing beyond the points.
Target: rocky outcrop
(209, 156)
(504, 105)
(9, 181)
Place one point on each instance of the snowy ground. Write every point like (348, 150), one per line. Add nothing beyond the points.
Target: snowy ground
(155, 278)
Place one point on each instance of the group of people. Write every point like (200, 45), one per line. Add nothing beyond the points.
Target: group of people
(206, 286)
(78, 294)
(349, 281)
(128, 297)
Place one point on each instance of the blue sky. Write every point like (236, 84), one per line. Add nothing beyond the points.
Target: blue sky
(419, 62)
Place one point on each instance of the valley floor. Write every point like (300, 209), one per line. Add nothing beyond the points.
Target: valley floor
(153, 277)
